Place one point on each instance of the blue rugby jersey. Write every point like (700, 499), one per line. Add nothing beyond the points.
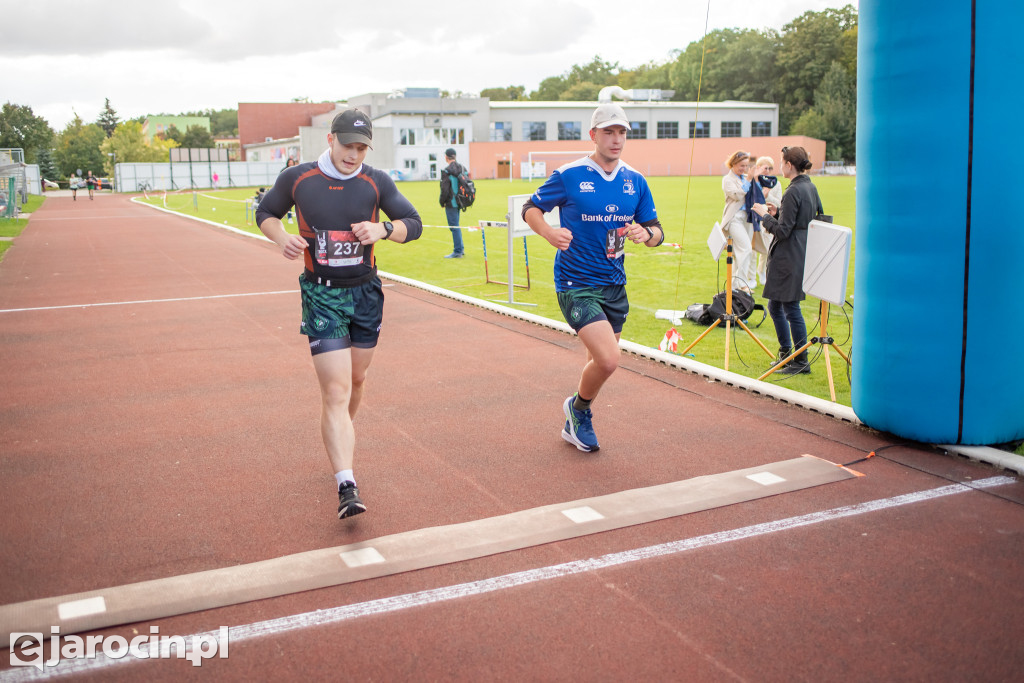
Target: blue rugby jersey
(594, 205)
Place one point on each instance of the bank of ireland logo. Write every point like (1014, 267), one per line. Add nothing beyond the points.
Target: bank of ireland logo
(611, 208)
(627, 187)
(586, 186)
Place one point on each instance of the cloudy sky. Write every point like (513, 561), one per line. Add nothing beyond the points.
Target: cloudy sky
(65, 57)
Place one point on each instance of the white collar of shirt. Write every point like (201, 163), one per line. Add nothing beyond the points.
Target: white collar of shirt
(328, 168)
(597, 167)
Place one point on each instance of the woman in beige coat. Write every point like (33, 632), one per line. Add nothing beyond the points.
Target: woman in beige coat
(734, 217)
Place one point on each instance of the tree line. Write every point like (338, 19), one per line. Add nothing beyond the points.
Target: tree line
(97, 146)
(809, 69)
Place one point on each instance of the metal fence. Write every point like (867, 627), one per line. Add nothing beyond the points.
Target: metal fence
(13, 186)
(133, 177)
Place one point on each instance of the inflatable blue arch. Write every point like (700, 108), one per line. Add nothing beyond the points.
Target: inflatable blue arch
(939, 273)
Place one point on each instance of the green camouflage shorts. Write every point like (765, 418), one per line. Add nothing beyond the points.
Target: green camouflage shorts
(353, 313)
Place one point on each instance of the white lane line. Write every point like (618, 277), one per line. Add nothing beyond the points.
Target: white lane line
(40, 219)
(334, 615)
(147, 301)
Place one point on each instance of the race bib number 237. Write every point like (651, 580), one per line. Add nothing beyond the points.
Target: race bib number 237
(338, 248)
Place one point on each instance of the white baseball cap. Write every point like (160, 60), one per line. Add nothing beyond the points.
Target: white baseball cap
(608, 114)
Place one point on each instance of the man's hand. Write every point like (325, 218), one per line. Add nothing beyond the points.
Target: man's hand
(368, 233)
(560, 238)
(638, 233)
(293, 246)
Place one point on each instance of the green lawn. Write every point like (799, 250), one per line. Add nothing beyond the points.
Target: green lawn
(12, 227)
(663, 278)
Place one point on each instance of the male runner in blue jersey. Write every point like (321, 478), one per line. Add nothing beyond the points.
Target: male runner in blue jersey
(602, 201)
(338, 200)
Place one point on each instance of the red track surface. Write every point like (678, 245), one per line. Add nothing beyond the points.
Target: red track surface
(145, 440)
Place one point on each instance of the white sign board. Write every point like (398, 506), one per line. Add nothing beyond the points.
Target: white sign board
(717, 241)
(517, 226)
(538, 169)
(827, 264)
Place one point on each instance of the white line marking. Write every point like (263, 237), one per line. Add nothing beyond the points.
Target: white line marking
(582, 514)
(82, 608)
(147, 301)
(40, 219)
(765, 478)
(362, 557)
(334, 615)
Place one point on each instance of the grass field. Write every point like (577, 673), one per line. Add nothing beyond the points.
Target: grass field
(663, 278)
(12, 227)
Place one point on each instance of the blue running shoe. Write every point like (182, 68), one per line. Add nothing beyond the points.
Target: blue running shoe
(579, 428)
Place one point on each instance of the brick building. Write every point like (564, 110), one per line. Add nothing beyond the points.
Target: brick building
(263, 121)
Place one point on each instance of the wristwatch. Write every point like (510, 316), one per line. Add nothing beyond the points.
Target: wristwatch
(388, 229)
(649, 232)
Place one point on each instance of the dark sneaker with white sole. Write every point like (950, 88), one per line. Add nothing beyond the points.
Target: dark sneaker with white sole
(349, 502)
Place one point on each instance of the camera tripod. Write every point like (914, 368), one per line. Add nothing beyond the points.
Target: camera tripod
(825, 341)
(728, 317)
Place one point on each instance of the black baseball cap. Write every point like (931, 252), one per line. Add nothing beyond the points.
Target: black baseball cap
(352, 126)
(450, 153)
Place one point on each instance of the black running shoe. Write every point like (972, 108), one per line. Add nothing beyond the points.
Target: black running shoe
(349, 502)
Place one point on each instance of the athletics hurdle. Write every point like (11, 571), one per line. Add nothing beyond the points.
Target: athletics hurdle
(516, 227)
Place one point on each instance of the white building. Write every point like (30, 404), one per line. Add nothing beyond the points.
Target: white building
(412, 128)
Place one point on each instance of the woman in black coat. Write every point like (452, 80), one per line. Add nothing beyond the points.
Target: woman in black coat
(784, 283)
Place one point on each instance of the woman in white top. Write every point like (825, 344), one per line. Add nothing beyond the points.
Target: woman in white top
(734, 217)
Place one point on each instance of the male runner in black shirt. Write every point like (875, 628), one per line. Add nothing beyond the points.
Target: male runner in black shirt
(338, 201)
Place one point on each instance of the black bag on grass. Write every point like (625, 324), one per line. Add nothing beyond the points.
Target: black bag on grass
(706, 314)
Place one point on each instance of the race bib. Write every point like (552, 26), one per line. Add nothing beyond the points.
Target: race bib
(615, 242)
(338, 248)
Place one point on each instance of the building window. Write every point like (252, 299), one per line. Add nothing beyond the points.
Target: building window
(569, 130)
(501, 131)
(637, 130)
(700, 129)
(432, 136)
(455, 136)
(410, 164)
(732, 129)
(535, 130)
(761, 129)
(668, 130)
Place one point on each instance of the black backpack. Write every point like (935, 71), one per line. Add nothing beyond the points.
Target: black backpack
(742, 306)
(467, 191)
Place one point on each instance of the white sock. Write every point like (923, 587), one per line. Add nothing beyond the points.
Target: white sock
(343, 476)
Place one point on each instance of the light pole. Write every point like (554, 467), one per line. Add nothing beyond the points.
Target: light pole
(113, 171)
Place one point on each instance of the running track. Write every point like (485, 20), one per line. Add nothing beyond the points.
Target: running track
(159, 416)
